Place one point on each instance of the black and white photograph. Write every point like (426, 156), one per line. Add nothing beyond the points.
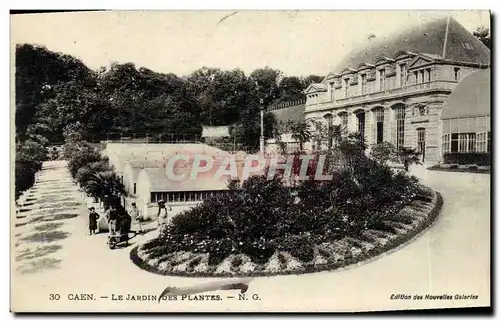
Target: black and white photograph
(250, 161)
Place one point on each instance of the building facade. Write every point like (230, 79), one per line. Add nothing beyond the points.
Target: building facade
(395, 90)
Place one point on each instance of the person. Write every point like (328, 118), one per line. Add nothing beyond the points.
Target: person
(93, 217)
(112, 218)
(162, 213)
(125, 221)
(136, 217)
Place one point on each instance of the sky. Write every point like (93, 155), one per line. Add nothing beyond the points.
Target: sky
(298, 43)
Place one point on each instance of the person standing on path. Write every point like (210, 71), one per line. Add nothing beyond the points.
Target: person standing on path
(93, 217)
(112, 218)
(136, 217)
(162, 213)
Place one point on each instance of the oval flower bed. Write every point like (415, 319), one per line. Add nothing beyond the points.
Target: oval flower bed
(409, 222)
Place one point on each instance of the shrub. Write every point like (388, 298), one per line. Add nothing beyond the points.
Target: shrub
(30, 155)
(473, 168)
(481, 159)
(384, 152)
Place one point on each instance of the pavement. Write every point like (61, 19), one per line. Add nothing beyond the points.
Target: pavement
(50, 270)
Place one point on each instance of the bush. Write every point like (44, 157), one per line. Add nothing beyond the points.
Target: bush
(30, 155)
(384, 152)
(481, 159)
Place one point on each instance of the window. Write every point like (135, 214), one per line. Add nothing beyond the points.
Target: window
(481, 139)
(329, 124)
(457, 74)
(446, 143)
(382, 79)
(361, 124)
(363, 83)
(471, 144)
(379, 119)
(402, 75)
(464, 143)
(332, 91)
(489, 143)
(428, 79)
(400, 119)
(344, 122)
(421, 142)
(454, 142)
(135, 188)
(346, 87)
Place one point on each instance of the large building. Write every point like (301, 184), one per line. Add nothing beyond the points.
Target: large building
(395, 89)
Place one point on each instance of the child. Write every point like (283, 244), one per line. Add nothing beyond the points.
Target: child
(93, 217)
(162, 213)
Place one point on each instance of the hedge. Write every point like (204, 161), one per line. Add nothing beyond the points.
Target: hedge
(481, 159)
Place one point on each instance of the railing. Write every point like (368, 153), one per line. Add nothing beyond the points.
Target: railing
(152, 138)
(283, 105)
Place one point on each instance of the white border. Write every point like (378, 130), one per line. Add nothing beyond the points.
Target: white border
(189, 5)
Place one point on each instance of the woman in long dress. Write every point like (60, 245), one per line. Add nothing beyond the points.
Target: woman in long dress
(93, 217)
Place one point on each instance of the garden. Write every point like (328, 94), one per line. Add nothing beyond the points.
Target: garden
(269, 227)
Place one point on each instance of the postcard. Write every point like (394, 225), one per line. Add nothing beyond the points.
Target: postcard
(250, 161)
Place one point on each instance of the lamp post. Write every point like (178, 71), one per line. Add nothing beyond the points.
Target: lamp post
(261, 126)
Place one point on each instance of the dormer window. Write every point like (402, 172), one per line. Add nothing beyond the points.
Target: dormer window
(346, 87)
(362, 82)
(332, 91)
(467, 46)
(381, 74)
(402, 74)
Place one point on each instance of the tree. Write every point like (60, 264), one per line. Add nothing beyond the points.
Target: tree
(105, 185)
(291, 88)
(409, 156)
(266, 82)
(300, 131)
(483, 34)
(311, 79)
(38, 71)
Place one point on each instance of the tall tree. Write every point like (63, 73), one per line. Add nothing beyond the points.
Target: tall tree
(291, 88)
(267, 82)
(38, 70)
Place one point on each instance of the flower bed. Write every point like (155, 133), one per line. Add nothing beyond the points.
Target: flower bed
(411, 221)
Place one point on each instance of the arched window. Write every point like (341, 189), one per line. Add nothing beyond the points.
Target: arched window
(344, 121)
(360, 118)
(378, 114)
(329, 127)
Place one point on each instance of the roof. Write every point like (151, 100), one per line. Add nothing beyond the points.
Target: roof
(292, 113)
(471, 97)
(426, 38)
(215, 131)
(160, 182)
(150, 153)
(315, 87)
